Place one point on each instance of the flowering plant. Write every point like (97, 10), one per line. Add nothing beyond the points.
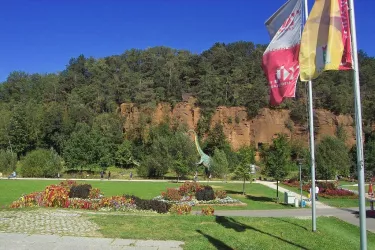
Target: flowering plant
(172, 194)
(55, 196)
(208, 210)
(221, 194)
(180, 209)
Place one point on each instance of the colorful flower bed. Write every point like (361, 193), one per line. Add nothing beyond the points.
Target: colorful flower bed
(61, 196)
(194, 194)
(70, 194)
(326, 189)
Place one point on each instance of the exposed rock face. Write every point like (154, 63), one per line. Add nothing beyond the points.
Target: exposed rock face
(239, 130)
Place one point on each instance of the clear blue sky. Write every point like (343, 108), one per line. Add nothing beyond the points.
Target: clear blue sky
(39, 36)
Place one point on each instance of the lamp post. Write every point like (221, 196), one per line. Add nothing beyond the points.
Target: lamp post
(300, 176)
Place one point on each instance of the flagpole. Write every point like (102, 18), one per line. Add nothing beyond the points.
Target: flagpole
(312, 144)
(358, 123)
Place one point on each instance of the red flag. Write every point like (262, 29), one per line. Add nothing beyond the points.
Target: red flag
(347, 61)
(280, 60)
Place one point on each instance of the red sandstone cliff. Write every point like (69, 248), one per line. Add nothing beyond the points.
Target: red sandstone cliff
(239, 130)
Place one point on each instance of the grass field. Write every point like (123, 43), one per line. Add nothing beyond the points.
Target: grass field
(257, 196)
(210, 232)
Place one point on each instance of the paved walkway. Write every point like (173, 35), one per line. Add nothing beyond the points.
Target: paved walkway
(16, 241)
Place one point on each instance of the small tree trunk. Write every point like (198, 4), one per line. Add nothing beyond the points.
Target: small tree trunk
(243, 186)
(277, 191)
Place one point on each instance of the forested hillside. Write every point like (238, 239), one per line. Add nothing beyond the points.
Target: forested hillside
(74, 112)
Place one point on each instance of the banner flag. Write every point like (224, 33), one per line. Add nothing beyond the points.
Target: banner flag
(325, 43)
(280, 60)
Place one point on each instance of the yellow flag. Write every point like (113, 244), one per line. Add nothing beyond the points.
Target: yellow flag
(321, 44)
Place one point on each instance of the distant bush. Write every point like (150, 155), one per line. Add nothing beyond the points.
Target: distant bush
(41, 163)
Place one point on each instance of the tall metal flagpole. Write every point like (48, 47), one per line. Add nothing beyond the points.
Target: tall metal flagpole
(358, 123)
(312, 144)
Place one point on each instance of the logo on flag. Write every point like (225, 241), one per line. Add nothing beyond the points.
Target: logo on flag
(280, 60)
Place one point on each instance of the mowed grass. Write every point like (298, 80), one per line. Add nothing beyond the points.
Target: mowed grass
(257, 196)
(220, 232)
(334, 202)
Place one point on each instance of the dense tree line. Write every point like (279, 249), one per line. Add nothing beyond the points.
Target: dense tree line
(75, 112)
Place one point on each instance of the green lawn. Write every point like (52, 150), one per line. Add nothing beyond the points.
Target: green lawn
(257, 196)
(334, 202)
(210, 232)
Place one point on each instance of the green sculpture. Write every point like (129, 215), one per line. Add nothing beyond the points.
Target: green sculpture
(205, 160)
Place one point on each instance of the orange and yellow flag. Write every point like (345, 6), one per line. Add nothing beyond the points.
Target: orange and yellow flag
(322, 43)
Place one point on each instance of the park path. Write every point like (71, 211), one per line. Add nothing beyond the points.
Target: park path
(349, 215)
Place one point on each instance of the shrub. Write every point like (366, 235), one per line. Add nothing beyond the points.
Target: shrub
(180, 209)
(158, 206)
(189, 188)
(41, 163)
(205, 194)
(208, 210)
(172, 194)
(80, 191)
(221, 194)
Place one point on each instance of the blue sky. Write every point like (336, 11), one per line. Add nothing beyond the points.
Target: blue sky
(40, 36)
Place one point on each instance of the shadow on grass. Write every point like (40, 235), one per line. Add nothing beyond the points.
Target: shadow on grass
(231, 223)
(295, 224)
(251, 197)
(233, 192)
(218, 244)
(260, 198)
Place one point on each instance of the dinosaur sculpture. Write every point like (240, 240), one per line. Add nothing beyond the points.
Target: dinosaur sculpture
(205, 160)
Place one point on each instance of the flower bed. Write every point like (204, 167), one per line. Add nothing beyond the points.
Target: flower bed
(70, 194)
(194, 194)
(326, 189)
(61, 196)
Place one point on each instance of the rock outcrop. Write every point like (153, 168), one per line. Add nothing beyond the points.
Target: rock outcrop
(239, 130)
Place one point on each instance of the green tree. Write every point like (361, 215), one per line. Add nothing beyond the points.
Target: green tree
(124, 155)
(242, 172)
(332, 157)
(278, 160)
(220, 166)
(215, 139)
